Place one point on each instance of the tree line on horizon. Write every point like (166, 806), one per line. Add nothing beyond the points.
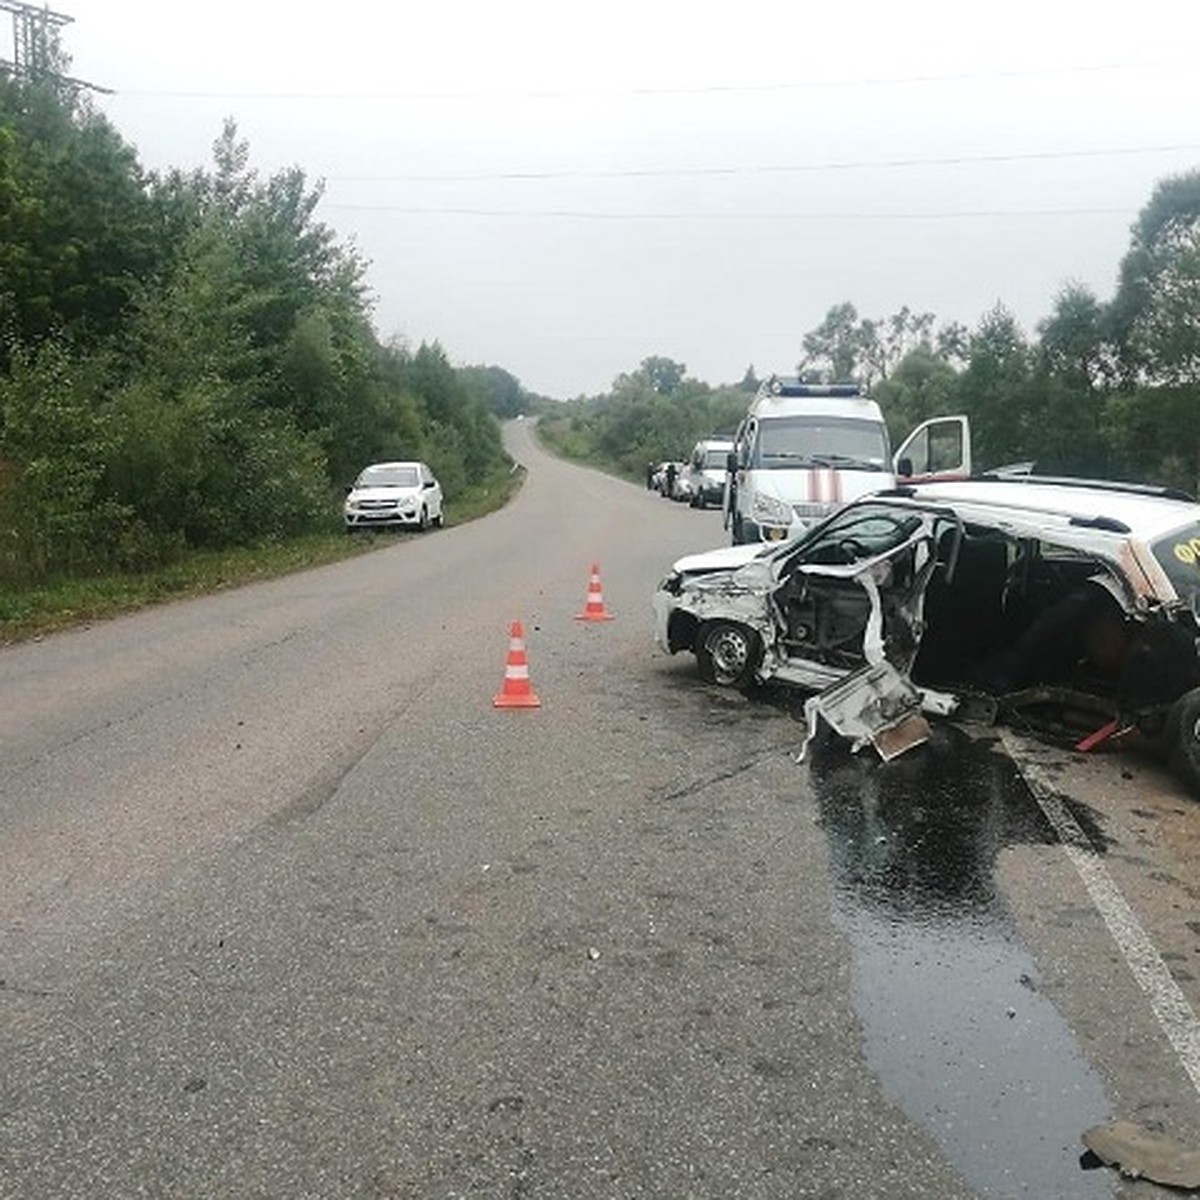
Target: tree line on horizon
(1100, 389)
(187, 360)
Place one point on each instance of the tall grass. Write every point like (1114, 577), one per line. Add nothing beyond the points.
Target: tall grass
(62, 603)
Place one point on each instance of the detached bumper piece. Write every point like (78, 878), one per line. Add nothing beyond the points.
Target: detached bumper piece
(875, 704)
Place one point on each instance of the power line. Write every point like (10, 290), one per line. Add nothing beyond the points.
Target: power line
(776, 169)
(586, 215)
(808, 84)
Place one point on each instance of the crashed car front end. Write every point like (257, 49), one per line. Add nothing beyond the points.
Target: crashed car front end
(1064, 625)
(809, 623)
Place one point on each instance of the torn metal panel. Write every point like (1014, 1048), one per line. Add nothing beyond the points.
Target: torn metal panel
(875, 704)
(1140, 1153)
(873, 634)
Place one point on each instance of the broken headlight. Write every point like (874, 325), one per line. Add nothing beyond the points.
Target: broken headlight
(766, 510)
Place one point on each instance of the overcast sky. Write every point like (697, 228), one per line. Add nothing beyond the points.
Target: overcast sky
(563, 190)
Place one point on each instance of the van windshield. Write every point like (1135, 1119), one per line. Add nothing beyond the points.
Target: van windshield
(791, 442)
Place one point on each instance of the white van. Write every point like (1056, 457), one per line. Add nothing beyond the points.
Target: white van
(706, 470)
(804, 450)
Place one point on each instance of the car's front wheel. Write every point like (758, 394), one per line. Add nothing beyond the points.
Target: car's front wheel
(728, 653)
(423, 521)
(1184, 730)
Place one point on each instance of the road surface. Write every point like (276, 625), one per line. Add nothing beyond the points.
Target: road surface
(288, 908)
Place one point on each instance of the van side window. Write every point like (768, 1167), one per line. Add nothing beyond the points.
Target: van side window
(938, 448)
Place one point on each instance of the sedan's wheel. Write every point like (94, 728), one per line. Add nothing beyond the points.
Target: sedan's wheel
(728, 653)
(1185, 738)
(424, 521)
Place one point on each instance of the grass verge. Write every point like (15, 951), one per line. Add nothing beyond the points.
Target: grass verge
(33, 612)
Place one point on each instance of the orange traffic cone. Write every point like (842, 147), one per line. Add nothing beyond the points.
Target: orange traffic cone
(517, 691)
(594, 610)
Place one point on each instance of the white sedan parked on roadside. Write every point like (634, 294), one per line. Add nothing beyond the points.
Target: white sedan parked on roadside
(394, 493)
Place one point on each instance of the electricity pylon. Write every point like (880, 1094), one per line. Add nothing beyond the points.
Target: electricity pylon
(36, 52)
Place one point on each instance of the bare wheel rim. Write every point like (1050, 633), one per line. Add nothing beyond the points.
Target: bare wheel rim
(729, 650)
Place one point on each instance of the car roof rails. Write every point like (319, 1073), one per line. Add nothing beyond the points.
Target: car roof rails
(1104, 485)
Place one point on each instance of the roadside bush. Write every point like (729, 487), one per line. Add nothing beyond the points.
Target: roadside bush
(56, 437)
(198, 469)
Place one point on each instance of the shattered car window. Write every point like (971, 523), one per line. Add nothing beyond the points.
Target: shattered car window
(865, 533)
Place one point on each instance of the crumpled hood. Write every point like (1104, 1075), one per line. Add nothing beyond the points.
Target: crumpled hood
(724, 558)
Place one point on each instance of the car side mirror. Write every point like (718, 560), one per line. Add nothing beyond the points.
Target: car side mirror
(904, 468)
(431, 483)
(349, 488)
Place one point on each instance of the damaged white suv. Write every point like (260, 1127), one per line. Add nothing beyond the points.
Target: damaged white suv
(1066, 606)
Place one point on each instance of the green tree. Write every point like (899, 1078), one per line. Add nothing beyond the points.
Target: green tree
(59, 435)
(499, 390)
(636, 423)
(994, 391)
(1155, 316)
(78, 228)
(463, 436)
(1070, 370)
(833, 351)
(750, 382)
(847, 348)
(922, 385)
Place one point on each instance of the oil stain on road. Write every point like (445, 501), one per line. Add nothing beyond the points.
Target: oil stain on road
(954, 1025)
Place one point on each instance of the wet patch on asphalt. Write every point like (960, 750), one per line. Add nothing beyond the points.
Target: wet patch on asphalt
(954, 1024)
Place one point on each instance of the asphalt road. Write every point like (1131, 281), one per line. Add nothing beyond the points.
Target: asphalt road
(287, 908)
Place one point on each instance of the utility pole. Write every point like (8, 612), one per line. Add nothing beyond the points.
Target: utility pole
(36, 54)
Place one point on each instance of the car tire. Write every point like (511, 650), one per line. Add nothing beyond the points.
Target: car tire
(1185, 739)
(423, 521)
(728, 654)
(440, 519)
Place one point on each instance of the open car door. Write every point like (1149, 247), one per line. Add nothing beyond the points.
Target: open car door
(937, 449)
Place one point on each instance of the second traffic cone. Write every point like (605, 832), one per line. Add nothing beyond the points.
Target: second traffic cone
(594, 609)
(517, 691)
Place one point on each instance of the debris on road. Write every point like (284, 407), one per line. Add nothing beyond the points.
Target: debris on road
(1140, 1153)
(875, 704)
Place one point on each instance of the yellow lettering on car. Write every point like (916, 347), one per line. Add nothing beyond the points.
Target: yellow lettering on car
(1187, 552)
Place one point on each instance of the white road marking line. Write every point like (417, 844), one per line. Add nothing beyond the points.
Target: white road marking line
(1175, 1015)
